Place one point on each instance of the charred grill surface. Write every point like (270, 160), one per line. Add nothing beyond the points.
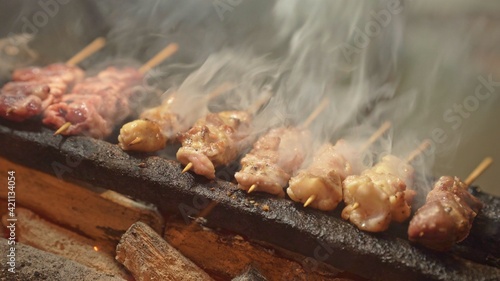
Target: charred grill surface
(323, 236)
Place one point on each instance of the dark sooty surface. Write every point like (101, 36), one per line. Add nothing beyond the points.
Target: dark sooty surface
(322, 236)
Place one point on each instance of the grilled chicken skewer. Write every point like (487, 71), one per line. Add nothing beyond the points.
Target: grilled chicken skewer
(275, 157)
(33, 89)
(158, 125)
(216, 139)
(95, 104)
(447, 216)
(381, 194)
(320, 184)
(98, 103)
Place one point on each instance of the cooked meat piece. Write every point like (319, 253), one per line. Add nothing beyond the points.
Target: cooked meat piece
(111, 81)
(96, 86)
(352, 154)
(22, 100)
(273, 159)
(34, 89)
(149, 134)
(166, 119)
(90, 115)
(68, 74)
(391, 164)
(386, 177)
(367, 206)
(395, 189)
(55, 86)
(322, 178)
(215, 140)
(447, 216)
(156, 126)
(96, 104)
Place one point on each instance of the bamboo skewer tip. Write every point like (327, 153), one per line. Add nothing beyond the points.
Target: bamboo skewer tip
(421, 148)
(89, 50)
(265, 97)
(316, 112)
(135, 141)
(478, 170)
(62, 129)
(187, 168)
(221, 89)
(376, 135)
(252, 188)
(310, 200)
(159, 57)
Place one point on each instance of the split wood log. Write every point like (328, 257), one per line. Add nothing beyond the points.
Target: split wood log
(227, 255)
(36, 232)
(251, 274)
(33, 265)
(103, 215)
(148, 257)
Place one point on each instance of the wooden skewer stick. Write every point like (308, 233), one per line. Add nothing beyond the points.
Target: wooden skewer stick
(421, 148)
(377, 134)
(310, 200)
(63, 128)
(479, 170)
(252, 188)
(252, 109)
(135, 141)
(158, 58)
(221, 89)
(324, 103)
(187, 168)
(93, 47)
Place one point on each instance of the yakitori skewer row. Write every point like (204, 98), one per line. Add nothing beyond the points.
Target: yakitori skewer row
(33, 89)
(161, 124)
(97, 104)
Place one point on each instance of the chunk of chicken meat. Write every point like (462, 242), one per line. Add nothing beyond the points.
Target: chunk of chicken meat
(367, 206)
(165, 118)
(446, 217)
(89, 115)
(96, 104)
(151, 132)
(33, 89)
(22, 100)
(395, 189)
(322, 178)
(398, 167)
(68, 74)
(215, 140)
(386, 177)
(141, 135)
(274, 158)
